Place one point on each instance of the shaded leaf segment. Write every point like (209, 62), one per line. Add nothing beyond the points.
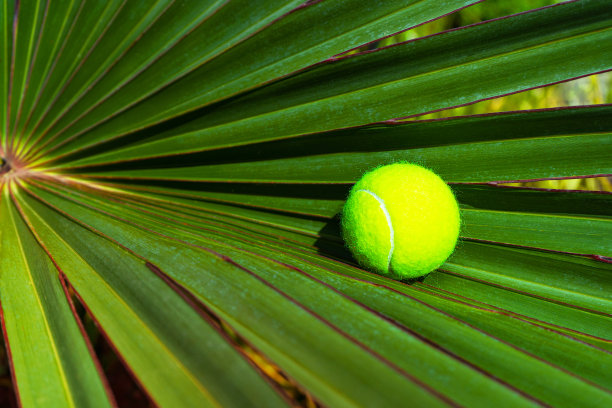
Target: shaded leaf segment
(415, 77)
(463, 150)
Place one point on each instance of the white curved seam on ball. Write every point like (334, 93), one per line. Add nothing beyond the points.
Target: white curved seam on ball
(388, 216)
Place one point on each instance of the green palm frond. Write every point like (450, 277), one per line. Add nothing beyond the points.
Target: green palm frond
(176, 170)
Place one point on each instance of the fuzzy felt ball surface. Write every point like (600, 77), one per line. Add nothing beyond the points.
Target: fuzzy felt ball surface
(401, 220)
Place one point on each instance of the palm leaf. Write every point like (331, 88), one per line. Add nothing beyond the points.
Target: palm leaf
(179, 168)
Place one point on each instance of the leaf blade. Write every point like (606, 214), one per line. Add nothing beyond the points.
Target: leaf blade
(50, 358)
(359, 99)
(145, 339)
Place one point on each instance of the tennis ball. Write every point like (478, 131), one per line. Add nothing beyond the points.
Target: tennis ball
(401, 221)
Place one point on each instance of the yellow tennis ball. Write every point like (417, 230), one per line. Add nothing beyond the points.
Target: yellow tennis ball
(401, 220)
